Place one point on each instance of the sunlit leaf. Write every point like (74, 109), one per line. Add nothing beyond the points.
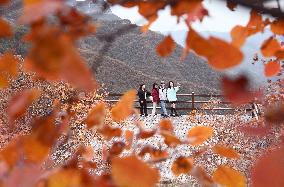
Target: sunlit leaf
(197, 135)
(130, 171)
(166, 47)
(269, 169)
(96, 115)
(20, 102)
(182, 165)
(5, 29)
(225, 151)
(272, 68)
(124, 107)
(229, 177)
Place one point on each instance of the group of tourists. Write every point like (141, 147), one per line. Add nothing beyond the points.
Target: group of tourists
(160, 94)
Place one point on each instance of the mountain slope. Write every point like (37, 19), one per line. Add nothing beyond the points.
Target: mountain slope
(122, 57)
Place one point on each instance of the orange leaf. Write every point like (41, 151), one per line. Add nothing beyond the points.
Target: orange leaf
(130, 171)
(225, 151)
(277, 26)
(36, 10)
(54, 57)
(166, 47)
(116, 148)
(170, 140)
(269, 169)
(272, 68)
(146, 134)
(221, 61)
(35, 151)
(108, 132)
(197, 135)
(9, 64)
(227, 176)
(96, 116)
(151, 20)
(5, 29)
(3, 81)
(124, 107)
(128, 138)
(198, 44)
(182, 165)
(237, 91)
(166, 125)
(255, 23)
(156, 154)
(20, 102)
(270, 47)
(239, 35)
(203, 178)
(10, 153)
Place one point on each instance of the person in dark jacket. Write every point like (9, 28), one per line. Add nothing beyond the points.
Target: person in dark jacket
(143, 94)
(155, 96)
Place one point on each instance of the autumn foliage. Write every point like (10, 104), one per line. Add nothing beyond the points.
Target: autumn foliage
(54, 29)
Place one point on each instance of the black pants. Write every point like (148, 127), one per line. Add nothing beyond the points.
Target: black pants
(143, 107)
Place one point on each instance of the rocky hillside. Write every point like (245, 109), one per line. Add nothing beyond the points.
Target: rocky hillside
(122, 57)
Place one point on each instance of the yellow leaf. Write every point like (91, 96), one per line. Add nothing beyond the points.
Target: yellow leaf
(229, 177)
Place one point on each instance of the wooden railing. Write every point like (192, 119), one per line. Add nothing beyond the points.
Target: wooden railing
(189, 102)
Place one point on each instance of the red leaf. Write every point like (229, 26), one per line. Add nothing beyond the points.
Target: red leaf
(198, 13)
(5, 29)
(269, 169)
(20, 102)
(237, 91)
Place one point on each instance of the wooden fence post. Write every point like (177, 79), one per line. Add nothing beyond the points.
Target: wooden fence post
(192, 100)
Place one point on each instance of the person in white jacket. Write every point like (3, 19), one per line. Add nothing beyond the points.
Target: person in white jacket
(172, 97)
(163, 99)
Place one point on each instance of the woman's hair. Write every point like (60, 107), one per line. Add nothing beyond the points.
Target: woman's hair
(170, 84)
(155, 84)
(140, 87)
